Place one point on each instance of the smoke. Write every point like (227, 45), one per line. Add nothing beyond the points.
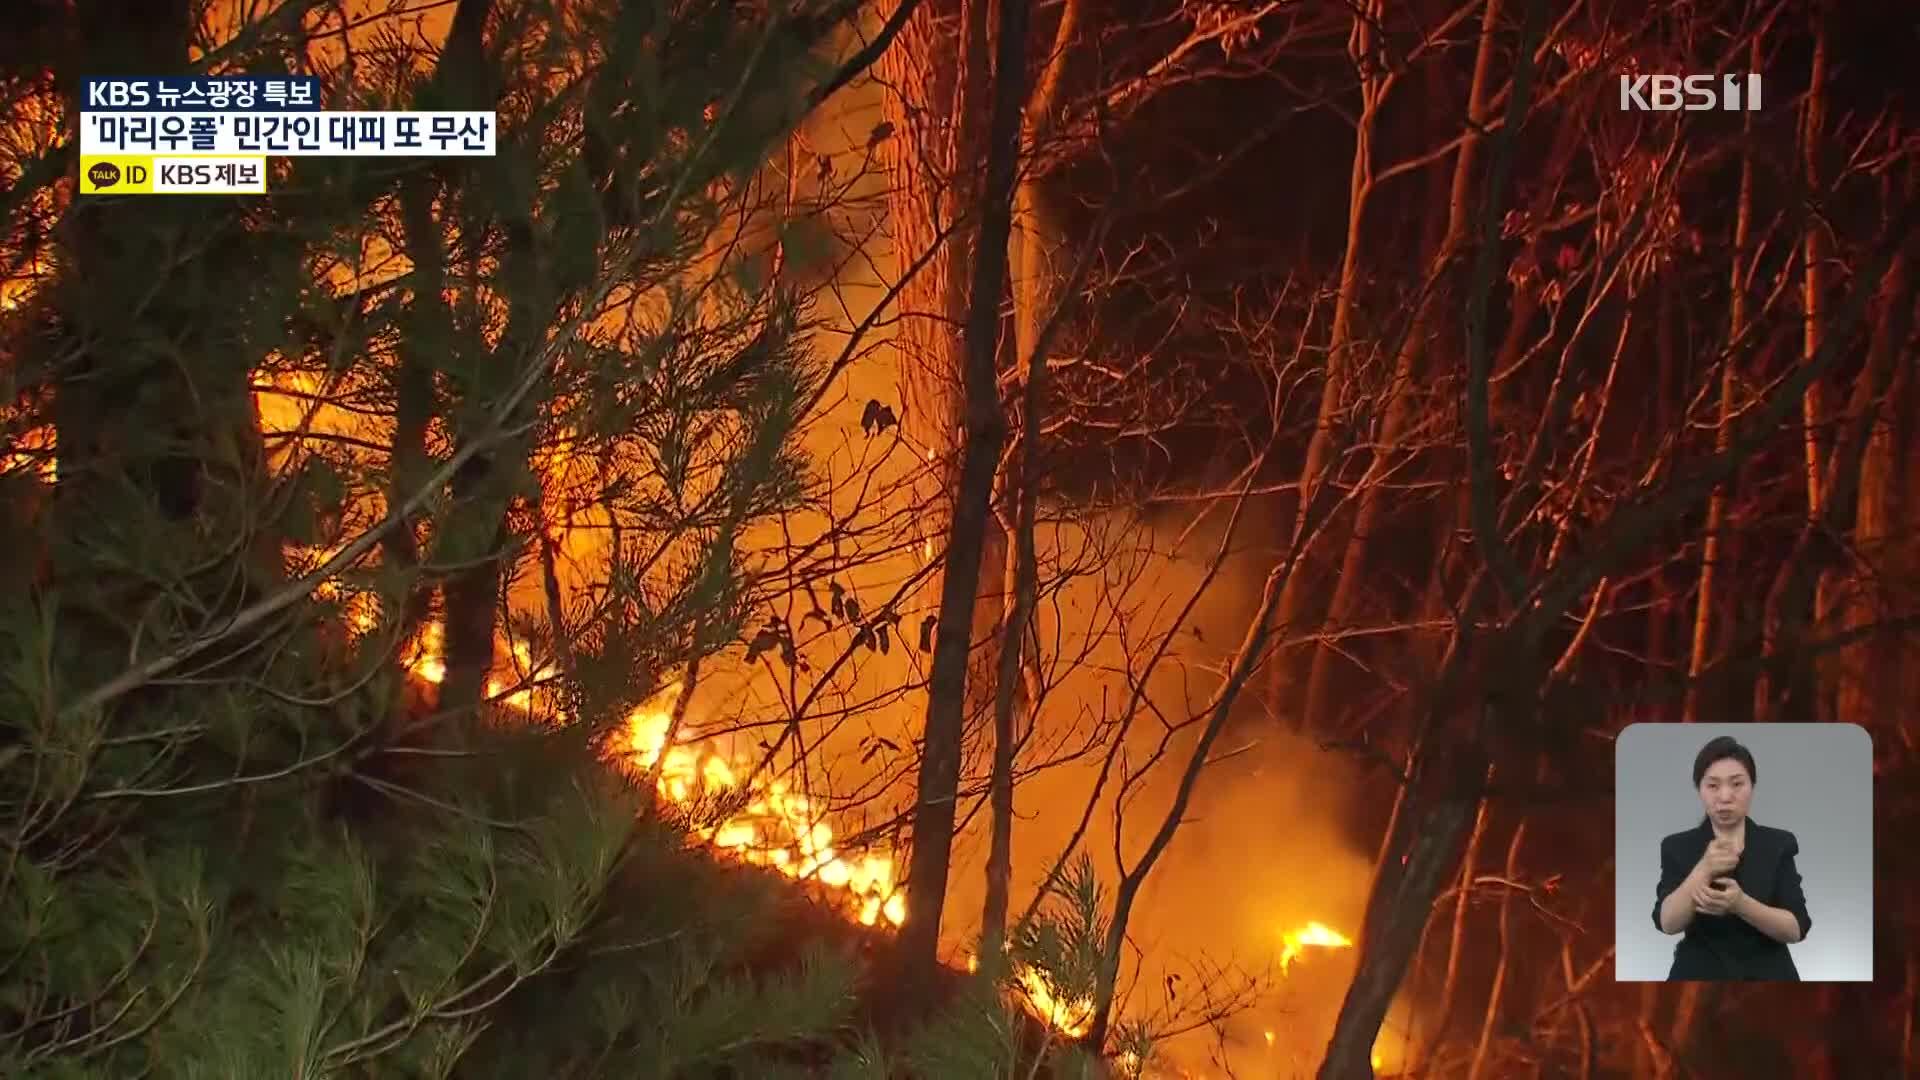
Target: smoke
(1268, 842)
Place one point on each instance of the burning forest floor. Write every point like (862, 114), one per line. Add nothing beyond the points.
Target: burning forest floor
(748, 842)
(705, 885)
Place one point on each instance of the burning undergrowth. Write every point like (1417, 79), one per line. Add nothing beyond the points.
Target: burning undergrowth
(1241, 941)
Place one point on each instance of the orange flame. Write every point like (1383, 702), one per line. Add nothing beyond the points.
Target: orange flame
(776, 826)
(1072, 1018)
(1296, 941)
(34, 451)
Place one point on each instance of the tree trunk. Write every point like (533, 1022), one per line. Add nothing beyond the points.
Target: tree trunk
(1449, 986)
(1293, 615)
(935, 81)
(1661, 610)
(1788, 688)
(1872, 674)
(1464, 710)
(1423, 850)
(1815, 253)
(1036, 257)
(1646, 1059)
(1712, 549)
(471, 594)
(934, 811)
(474, 548)
(431, 343)
(1785, 689)
(428, 335)
(1021, 573)
(1686, 1012)
(1400, 401)
(1483, 1048)
(1912, 996)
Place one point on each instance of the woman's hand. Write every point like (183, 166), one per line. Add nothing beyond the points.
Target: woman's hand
(1722, 896)
(1720, 859)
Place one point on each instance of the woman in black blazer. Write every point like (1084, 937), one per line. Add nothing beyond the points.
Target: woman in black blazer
(1730, 883)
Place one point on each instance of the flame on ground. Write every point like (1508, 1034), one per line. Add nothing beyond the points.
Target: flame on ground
(1073, 1017)
(775, 827)
(1296, 941)
(778, 827)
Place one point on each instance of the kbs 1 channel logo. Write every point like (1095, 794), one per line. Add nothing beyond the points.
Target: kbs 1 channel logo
(216, 134)
(1690, 93)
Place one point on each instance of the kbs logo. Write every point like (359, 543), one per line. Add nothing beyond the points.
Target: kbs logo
(117, 94)
(1691, 93)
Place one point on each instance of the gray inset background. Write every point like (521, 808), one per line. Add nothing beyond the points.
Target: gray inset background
(1816, 781)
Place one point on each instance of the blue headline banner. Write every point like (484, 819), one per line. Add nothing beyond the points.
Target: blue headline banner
(201, 94)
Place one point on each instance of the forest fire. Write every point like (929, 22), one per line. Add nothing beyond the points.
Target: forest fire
(1311, 935)
(778, 827)
(1072, 1018)
(775, 826)
(1517, 423)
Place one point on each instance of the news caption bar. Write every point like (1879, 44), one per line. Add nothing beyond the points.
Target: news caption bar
(328, 134)
(201, 93)
(216, 134)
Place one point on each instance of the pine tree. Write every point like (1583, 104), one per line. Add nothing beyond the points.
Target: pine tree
(243, 835)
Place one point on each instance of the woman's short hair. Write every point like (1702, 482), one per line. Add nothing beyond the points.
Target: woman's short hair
(1722, 748)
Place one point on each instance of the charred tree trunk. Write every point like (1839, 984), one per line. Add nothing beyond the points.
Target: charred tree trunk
(1423, 849)
(471, 594)
(986, 431)
(429, 333)
(474, 556)
(936, 84)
